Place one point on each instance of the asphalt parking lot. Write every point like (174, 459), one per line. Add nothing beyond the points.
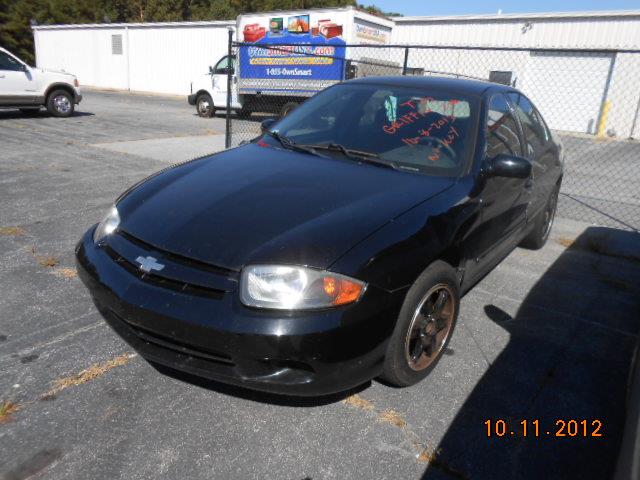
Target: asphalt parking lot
(547, 335)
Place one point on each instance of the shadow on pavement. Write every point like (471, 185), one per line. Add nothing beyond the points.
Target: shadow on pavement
(16, 114)
(568, 358)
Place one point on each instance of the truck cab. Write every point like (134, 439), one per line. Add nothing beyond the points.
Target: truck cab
(209, 91)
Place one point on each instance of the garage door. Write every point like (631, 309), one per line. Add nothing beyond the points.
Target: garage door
(567, 88)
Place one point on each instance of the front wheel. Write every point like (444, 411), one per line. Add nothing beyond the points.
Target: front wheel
(424, 327)
(204, 105)
(60, 103)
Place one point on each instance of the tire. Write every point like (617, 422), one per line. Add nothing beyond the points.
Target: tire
(60, 103)
(287, 108)
(424, 328)
(30, 111)
(204, 106)
(539, 234)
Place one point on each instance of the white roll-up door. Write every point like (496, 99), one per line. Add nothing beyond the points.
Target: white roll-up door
(567, 87)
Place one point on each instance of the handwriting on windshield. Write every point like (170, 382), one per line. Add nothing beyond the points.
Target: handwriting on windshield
(419, 108)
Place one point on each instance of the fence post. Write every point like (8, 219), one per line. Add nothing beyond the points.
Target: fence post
(230, 72)
(406, 60)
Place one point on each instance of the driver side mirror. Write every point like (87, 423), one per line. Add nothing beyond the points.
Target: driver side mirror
(267, 123)
(211, 71)
(508, 166)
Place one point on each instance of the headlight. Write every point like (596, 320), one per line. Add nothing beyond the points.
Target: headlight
(108, 224)
(296, 288)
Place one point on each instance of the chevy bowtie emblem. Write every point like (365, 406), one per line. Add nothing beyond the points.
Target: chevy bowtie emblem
(149, 263)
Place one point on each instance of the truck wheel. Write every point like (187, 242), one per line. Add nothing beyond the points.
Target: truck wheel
(204, 105)
(287, 108)
(60, 103)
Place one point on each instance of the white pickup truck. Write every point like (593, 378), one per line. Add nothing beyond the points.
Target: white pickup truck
(29, 88)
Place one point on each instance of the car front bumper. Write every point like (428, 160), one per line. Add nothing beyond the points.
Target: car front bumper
(307, 354)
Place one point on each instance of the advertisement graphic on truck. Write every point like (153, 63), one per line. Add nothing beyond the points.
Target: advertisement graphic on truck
(293, 46)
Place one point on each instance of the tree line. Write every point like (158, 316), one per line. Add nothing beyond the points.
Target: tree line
(17, 16)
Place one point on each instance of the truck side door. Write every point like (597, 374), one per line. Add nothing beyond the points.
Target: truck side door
(225, 65)
(17, 84)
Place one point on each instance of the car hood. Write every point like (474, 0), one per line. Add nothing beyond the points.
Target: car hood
(258, 204)
(61, 73)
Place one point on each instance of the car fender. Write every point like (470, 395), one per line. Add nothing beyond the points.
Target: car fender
(404, 247)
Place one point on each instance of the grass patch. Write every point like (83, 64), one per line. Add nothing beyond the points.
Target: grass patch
(392, 417)
(65, 272)
(12, 231)
(94, 371)
(48, 261)
(359, 402)
(565, 241)
(7, 408)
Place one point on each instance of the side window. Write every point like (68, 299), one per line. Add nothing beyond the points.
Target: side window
(533, 128)
(502, 129)
(7, 62)
(224, 64)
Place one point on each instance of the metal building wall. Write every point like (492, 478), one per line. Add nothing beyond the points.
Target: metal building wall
(550, 79)
(85, 53)
(161, 58)
(166, 60)
(602, 30)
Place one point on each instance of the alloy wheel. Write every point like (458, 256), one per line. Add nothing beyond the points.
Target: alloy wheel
(62, 103)
(549, 214)
(430, 327)
(204, 106)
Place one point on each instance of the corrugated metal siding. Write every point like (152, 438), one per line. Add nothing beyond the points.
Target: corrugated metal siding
(162, 59)
(166, 60)
(580, 33)
(85, 53)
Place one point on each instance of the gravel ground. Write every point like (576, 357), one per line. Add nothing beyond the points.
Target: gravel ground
(547, 335)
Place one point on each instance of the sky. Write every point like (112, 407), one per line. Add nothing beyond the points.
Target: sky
(464, 7)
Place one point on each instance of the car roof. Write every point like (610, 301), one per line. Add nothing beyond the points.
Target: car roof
(469, 86)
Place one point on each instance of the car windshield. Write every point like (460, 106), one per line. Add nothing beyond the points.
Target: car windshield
(411, 129)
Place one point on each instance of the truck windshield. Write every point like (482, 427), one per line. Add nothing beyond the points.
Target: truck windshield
(422, 132)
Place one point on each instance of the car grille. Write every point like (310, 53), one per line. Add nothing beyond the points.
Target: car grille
(176, 346)
(180, 274)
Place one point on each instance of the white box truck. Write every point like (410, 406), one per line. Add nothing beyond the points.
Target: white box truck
(284, 57)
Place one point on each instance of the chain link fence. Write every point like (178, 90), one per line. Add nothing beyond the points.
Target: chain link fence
(590, 99)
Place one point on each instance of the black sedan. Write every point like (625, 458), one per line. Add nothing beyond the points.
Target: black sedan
(336, 246)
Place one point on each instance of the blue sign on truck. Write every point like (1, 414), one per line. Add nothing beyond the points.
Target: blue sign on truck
(289, 48)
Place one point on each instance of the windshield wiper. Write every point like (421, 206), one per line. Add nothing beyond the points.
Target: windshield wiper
(359, 155)
(290, 144)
